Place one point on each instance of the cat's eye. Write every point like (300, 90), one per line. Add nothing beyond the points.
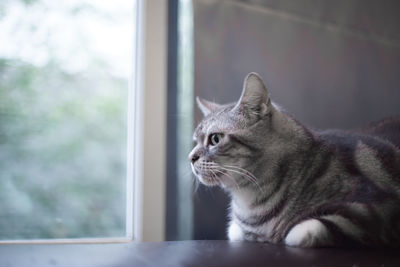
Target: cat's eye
(214, 139)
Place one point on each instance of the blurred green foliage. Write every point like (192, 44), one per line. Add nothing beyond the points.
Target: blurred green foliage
(62, 151)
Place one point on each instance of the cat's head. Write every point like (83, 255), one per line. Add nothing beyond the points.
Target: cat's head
(230, 138)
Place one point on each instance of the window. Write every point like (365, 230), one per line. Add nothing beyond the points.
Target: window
(140, 188)
(65, 68)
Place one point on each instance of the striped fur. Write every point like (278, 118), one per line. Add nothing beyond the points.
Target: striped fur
(297, 186)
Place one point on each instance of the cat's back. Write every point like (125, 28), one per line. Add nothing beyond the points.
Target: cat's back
(380, 135)
(359, 150)
(387, 129)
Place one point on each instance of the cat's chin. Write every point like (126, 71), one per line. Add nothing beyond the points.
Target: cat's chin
(221, 183)
(208, 181)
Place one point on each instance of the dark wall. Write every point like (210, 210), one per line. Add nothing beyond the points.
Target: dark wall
(332, 64)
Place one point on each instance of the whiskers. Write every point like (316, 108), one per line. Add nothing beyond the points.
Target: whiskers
(227, 175)
(244, 173)
(215, 170)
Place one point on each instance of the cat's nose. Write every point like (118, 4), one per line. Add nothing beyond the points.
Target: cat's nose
(194, 157)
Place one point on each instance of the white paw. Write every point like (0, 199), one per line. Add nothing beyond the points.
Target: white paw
(308, 233)
(235, 233)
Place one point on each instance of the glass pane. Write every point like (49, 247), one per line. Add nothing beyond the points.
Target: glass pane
(64, 73)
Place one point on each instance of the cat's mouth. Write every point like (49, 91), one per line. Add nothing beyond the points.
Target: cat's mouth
(207, 176)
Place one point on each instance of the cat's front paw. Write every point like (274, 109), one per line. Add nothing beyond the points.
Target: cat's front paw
(309, 233)
(235, 233)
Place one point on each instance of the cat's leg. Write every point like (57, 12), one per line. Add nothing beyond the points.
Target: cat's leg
(235, 233)
(309, 233)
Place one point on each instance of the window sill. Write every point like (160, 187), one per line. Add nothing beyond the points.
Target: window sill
(191, 253)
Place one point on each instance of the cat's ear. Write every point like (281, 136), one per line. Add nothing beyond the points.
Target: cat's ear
(206, 107)
(254, 96)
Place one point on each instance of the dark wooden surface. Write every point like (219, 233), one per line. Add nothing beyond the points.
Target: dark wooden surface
(192, 253)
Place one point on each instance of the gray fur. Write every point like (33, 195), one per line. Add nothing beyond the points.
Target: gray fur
(293, 185)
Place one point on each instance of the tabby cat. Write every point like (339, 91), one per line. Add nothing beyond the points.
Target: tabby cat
(296, 186)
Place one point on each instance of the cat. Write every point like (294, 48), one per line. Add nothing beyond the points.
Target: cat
(297, 186)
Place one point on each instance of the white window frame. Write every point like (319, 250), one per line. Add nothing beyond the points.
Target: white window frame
(150, 76)
(146, 146)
